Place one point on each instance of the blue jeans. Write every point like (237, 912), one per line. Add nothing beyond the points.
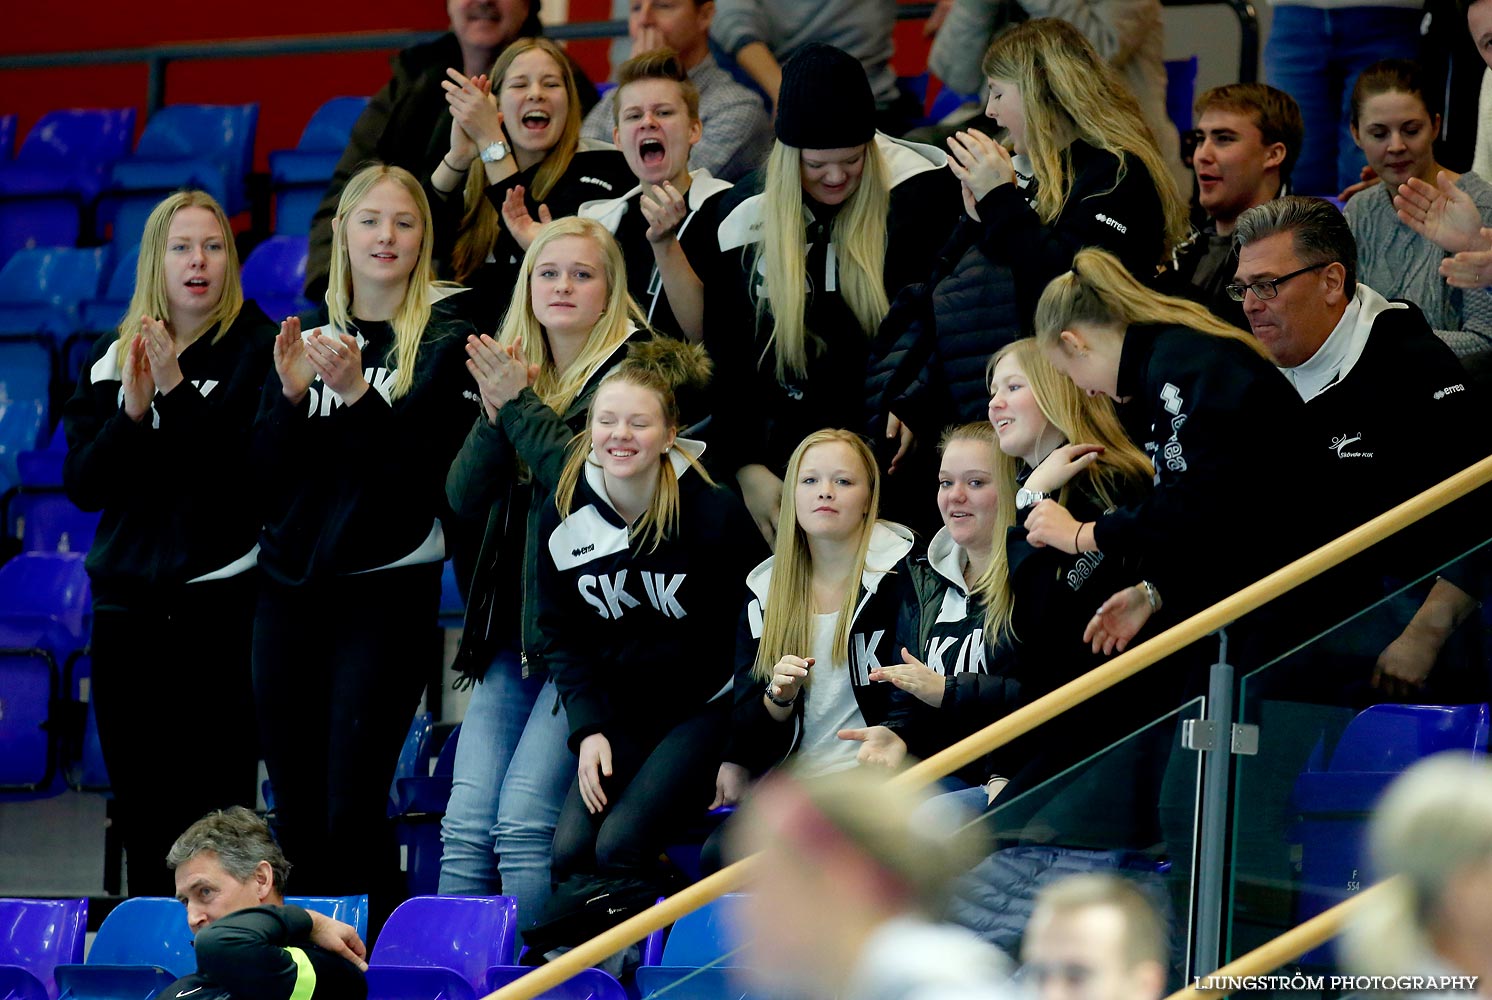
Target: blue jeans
(1315, 56)
(511, 800)
(494, 721)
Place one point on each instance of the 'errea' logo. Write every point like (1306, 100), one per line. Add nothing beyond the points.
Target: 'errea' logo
(583, 550)
(1450, 390)
(1112, 222)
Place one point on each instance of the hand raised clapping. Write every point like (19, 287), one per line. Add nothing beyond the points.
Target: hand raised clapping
(161, 349)
(339, 362)
(501, 372)
(520, 224)
(665, 210)
(981, 164)
(291, 364)
(473, 111)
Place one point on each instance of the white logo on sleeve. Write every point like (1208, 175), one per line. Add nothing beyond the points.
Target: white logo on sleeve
(1170, 397)
(1112, 223)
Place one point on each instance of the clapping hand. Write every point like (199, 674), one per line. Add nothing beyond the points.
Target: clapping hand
(161, 350)
(981, 163)
(339, 362)
(519, 222)
(665, 209)
(500, 372)
(291, 364)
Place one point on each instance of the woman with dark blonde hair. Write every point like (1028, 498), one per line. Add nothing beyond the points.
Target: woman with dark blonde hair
(640, 584)
(158, 440)
(1033, 602)
(354, 436)
(1097, 176)
(569, 321)
(1212, 412)
(516, 160)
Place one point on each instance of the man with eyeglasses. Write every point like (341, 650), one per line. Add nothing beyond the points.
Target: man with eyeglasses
(1388, 403)
(1094, 937)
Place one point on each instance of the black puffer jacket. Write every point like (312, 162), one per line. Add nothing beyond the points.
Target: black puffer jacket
(927, 362)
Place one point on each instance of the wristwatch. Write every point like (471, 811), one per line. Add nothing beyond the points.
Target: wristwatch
(1025, 498)
(778, 701)
(494, 152)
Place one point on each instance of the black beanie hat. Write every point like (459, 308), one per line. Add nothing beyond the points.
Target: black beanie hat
(825, 101)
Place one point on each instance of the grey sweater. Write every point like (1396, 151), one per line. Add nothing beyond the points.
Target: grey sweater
(860, 27)
(1402, 264)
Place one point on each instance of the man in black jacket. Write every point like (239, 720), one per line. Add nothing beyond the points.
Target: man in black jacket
(1386, 399)
(1248, 137)
(230, 875)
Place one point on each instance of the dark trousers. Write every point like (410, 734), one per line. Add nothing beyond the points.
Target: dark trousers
(657, 790)
(338, 671)
(175, 714)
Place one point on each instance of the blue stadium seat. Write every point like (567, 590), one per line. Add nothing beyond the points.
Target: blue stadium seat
(348, 909)
(103, 313)
(1181, 91)
(274, 275)
(47, 521)
(185, 145)
(589, 984)
(43, 466)
(1333, 806)
(44, 603)
(946, 103)
(7, 136)
(83, 753)
(39, 935)
(142, 947)
(21, 420)
(300, 175)
(59, 171)
(432, 939)
(695, 961)
(25, 371)
(40, 289)
(419, 803)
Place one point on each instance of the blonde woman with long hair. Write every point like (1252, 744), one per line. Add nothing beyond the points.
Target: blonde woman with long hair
(1218, 420)
(820, 617)
(569, 321)
(356, 430)
(516, 161)
(158, 434)
(642, 575)
(1097, 176)
(1032, 603)
(809, 266)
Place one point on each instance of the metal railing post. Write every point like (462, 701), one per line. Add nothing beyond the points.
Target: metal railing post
(1212, 838)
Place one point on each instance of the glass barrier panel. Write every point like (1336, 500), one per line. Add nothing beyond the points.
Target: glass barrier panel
(1333, 730)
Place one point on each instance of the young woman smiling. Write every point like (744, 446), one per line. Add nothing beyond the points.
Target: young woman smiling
(823, 606)
(644, 570)
(158, 439)
(1396, 130)
(569, 321)
(667, 224)
(353, 439)
(516, 160)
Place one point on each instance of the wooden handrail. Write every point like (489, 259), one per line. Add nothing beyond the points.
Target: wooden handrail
(1024, 719)
(1284, 949)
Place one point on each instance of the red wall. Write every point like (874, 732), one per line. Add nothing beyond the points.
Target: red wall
(288, 89)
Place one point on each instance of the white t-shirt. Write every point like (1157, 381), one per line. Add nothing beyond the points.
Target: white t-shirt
(830, 705)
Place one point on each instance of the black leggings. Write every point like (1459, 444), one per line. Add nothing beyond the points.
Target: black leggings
(175, 714)
(657, 790)
(338, 671)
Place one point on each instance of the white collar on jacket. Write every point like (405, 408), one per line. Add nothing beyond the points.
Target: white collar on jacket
(1334, 359)
(609, 211)
(904, 160)
(948, 559)
(889, 543)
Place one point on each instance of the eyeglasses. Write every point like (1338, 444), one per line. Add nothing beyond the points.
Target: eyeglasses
(1269, 288)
